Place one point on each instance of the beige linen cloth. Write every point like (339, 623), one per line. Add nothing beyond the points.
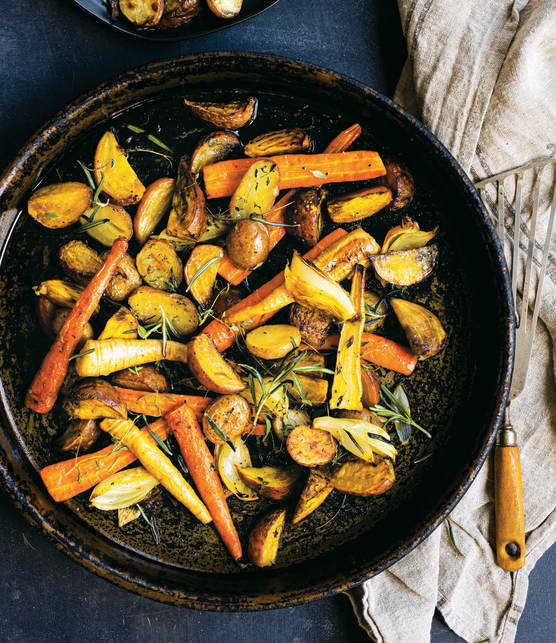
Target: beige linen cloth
(481, 74)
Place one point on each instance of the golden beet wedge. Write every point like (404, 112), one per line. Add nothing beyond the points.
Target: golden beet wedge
(316, 490)
(276, 483)
(210, 368)
(59, 205)
(406, 267)
(360, 478)
(265, 538)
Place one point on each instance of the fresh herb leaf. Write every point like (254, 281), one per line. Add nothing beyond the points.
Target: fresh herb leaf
(452, 539)
(214, 425)
(87, 352)
(201, 271)
(88, 175)
(51, 215)
(318, 174)
(160, 442)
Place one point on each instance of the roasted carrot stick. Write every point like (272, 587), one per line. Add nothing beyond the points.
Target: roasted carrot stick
(297, 170)
(157, 464)
(44, 389)
(236, 275)
(68, 478)
(199, 461)
(157, 404)
(224, 335)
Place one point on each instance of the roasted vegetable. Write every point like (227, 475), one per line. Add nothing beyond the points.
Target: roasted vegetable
(159, 265)
(313, 324)
(45, 312)
(179, 12)
(212, 148)
(122, 324)
(400, 181)
(281, 141)
(111, 355)
(227, 459)
(359, 437)
(359, 478)
(156, 404)
(347, 389)
(273, 341)
(225, 299)
(310, 447)
(128, 514)
(423, 329)
(226, 418)
(123, 489)
(188, 216)
(105, 224)
(142, 13)
(311, 287)
(276, 483)
(292, 418)
(264, 539)
(79, 436)
(225, 8)
(364, 414)
(79, 261)
(406, 267)
(60, 293)
(370, 387)
(304, 216)
(257, 190)
(59, 205)
(406, 236)
(359, 205)
(231, 115)
(316, 490)
(118, 178)
(210, 368)
(201, 270)
(125, 280)
(315, 361)
(314, 390)
(376, 310)
(339, 259)
(276, 399)
(247, 244)
(155, 203)
(143, 378)
(58, 320)
(148, 303)
(92, 399)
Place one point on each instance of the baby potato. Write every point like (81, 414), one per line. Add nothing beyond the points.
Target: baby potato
(79, 261)
(210, 368)
(313, 324)
(212, 148)
(400, 180)
(94, 398)
(159, 265)
(248, 244)
(79, 436)
(155, 203)
(146, 303)
(225, 8)
(231, 115)
(272, 341)
(144, 378)
(304, 216)
(310, 447)
(231, 414)
(126, 279)
(112, 221)
(45, 312)
(265, 538)
(257, 190)
(179, 12)
(142, 13)
(59, 205)
(225, 299)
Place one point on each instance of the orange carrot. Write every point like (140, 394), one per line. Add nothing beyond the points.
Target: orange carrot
(236, 275)
(297, 170)
(199, 461)
(68, 478)
(157, 404)
(378, 350)
(224, 336)
(45, 387)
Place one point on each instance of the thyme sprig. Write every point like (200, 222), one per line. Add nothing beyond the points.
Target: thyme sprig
(393, 410)
(163, 326)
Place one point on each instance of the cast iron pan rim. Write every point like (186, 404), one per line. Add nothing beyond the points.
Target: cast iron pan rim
(105, 568)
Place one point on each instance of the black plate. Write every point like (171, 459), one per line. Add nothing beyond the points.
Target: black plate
(206, 22)
(459, 395)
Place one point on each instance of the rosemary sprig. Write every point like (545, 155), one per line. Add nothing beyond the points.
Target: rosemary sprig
(92, 224)
(218, 430)
(201, 270)
(88, 175)
(151, 137)
(452, 539)
(275, 223)
(423, 458)
(87, 352)
(394, 410)
(152, 524)
(155, 437)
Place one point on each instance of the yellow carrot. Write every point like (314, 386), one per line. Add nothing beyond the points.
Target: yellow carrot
(157, 464)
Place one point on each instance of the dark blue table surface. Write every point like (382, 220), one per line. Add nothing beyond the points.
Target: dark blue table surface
(51, 52)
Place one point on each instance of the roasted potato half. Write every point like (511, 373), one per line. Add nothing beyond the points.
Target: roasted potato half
(179, 12)
(210, 368)
(265, 538)
(226, 418)
(142, 13)
(276, 403)
(359, 205)
(406, 267)
(314, 390)
(423, 329)
(94, 398)
(292, 418)
(141, 378)
(126, 279)
(59, 205)
(231, 115)
(188, 216)
(304, 216)
(159, 265)
(107, 223)
(248, 244)
(146, 304)
(400, 181)
(257, 190)
(79, 261)
(276, 483)
(316, 490)
(272, 341)
(310, 447)
(313, 324)
(156, 201)
(360, 478)
(225, 8)
(212, 148)
(281, 141)
(122, 324)
(79, 436)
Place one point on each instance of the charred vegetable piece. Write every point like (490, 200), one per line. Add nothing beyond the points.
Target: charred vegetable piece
(123, 489)
(45, 312)
(423, 329)
(79, 261)
(276, 483)
(316, 490)
(188, 216)
(225, 299)
(111, 164)
(125, 280)
(144, 378)
(226, 418)
(364, 414)
(60, 317)
(311, 287)
(210, 368)
(273, 341)
(347, 388)
(225, 8)
(147, 304)
(400, 181)
(304, 216)
(276, 399)
(227, 459)
(142, 13)
(406, 267)
(179, 12)
(359, 478)
(60, 293)
(310, 447)
(107, 223)
(257, 190)
(406, 236)
(92, 399)
(370, 387)
(159, 265)
(201, 270)
(359, 205)
(59, 205)
(308, 390)
(212, 148)
(248, 244)
(231, 115)
(376, 310)
(313, 324)
(79, 436)
(339, 259)
(156, 201)
(292, 418)
(122, 324)
(265, 538)
(281, 141)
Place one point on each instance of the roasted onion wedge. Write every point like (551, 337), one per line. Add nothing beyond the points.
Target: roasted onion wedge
(188, 216)
(423, 329)
(406, 236)
(227, 462)
(212, 148)
(283, 141)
